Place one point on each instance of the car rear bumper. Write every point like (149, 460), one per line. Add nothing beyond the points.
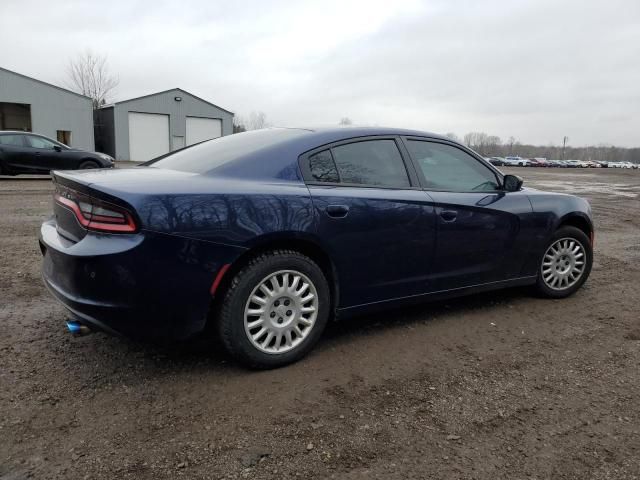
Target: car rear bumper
(144, 285)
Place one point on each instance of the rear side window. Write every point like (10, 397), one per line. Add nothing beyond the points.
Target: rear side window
(211, 154)
(11, 140)
(371, 162)
(322, 167)
(448, 168)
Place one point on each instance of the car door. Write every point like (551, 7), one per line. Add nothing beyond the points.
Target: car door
(43, 156)
(12, 151)
(483, 232)
(372, 217)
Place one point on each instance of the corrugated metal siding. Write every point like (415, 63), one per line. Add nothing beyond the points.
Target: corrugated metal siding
(52, 109)
(165, 103)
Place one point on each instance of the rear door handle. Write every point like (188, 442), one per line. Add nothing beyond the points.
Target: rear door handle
(337, 211)
(449, 215)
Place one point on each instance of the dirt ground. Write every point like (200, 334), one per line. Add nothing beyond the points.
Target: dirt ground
(492, 386)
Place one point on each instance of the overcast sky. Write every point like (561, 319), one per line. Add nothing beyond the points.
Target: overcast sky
(534, 69)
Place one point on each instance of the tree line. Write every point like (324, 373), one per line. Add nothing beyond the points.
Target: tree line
(494, 146)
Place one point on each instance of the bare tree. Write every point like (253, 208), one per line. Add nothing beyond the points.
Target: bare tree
(468, 139)
(493, 145)
(452, 136)
(89, 75)
(239, 124)
(256, 121)
(345, 121)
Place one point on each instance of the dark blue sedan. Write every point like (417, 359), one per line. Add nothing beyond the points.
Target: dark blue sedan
(263, 236)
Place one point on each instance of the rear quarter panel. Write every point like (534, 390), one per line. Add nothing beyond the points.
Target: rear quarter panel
(238, 214)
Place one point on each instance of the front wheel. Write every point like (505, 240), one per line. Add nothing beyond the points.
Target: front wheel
(88, 164)
(565, 264)
(275, 309)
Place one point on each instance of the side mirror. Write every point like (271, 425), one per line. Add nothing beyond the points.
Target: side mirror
(512, 183)
(57, 148)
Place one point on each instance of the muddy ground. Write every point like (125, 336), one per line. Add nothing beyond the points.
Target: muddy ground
(500, 385)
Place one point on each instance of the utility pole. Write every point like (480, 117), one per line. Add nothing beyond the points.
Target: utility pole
(564, 144)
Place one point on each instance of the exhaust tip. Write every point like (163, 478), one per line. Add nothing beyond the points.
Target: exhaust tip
(76, 328)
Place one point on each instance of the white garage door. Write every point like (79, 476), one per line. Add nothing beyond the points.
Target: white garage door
(148, 135)
(200, 129)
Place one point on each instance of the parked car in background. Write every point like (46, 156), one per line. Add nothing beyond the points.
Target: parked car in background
(24, 152)
(496, 161)
(627, 165)
(576, 164)
(516, 161)
(539, 162)
(263, 236)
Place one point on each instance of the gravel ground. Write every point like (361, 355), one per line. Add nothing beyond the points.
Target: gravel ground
(499, 385)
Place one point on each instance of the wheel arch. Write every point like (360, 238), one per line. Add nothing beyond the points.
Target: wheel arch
(578, 221)
(302, 244)
(89, 159)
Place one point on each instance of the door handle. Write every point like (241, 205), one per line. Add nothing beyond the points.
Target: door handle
(449, 215)
(337, 211)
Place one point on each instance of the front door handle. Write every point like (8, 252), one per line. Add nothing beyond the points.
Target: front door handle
(337, 211)
(449, 215)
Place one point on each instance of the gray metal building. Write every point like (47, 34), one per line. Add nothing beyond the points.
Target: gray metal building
(145, 127)
(31, 105)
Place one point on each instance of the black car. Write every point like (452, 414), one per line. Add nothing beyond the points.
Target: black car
(496, 161)
(24, 152)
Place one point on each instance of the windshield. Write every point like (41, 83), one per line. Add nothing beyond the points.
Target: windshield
(206, 156)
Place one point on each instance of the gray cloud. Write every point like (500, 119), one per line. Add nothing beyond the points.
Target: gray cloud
(534, 69)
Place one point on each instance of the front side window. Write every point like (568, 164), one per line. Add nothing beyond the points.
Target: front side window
(11, 140)
(39, 142)
(371, 162)
(448, 168)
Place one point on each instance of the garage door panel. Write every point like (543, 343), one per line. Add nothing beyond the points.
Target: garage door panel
(148, 135)
(200, 129)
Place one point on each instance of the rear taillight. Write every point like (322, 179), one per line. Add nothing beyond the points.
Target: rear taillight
(96, 215)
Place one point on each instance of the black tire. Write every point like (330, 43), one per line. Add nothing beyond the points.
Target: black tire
(574, 234)
(88, 164)
(231, 311)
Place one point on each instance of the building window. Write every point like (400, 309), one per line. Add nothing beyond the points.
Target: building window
(64, 136)
(15, 116)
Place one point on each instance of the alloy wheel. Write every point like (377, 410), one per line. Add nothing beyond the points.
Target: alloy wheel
(281, 311)
(563, 264)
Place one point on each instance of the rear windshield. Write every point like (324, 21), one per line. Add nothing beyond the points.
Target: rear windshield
(209, 155)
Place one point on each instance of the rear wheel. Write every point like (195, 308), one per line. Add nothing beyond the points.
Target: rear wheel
(87, 164)
(274, 310)
(565, 264)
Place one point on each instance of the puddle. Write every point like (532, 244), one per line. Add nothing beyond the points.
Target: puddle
(616, 189)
